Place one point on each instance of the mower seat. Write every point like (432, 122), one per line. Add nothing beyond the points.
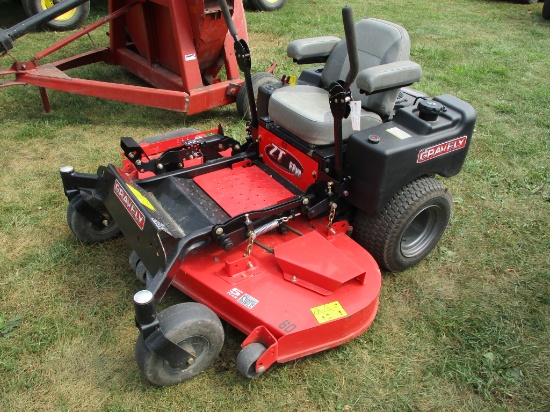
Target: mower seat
(383, 49)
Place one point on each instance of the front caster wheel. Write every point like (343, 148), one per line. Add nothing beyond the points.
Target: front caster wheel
(195, 328)
(86, 231)
(246, 360)
(409, 226)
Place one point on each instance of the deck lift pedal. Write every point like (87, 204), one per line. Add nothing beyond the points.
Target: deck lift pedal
(260, 234)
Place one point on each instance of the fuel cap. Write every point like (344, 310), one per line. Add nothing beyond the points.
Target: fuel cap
(430, 110)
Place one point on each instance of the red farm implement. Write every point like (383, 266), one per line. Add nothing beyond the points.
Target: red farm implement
(181, 48)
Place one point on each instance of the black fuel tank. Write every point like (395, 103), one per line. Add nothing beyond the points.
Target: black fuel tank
(418, 141)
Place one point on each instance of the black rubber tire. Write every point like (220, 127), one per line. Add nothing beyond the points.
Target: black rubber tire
(409, 226)
(69, 21)
(193, 326)
(546, 10)
(258, 79)
(246, 360)
(141, 272)
(133, 260)
(170, 135)
(267, 5)
(86, 231)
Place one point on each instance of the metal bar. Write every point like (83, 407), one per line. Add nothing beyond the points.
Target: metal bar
(45, 100)
(163, 279)
(186, 53)
(146, 96)
(85, 30)
(155, 75)
(83, 59)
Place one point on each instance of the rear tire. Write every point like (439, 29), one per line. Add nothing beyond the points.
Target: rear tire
(192, 326)
(409, 226)
(546, 10)
(267, 5)
(258, 79)
(67, 21)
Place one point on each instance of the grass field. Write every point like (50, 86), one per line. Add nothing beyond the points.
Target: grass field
(465, 330)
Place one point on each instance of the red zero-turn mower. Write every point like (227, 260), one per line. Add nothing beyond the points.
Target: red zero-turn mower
(260, 234)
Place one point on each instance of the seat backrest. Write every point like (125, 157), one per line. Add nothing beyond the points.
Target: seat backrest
(378, 42)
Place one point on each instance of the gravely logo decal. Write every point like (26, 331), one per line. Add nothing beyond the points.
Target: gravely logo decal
(129, 204)
(441, 149)
(284, 160)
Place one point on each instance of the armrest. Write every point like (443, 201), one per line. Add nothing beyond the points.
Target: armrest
(388, 76)
(312, 50)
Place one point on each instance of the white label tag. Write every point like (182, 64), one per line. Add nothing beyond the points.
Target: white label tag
(397, 132)
(355, 114)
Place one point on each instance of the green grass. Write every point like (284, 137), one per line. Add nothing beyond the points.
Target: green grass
(465, 330)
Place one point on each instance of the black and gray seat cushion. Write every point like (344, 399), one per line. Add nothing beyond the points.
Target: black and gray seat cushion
(383, 49)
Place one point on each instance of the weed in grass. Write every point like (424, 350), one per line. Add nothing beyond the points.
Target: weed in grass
(7, 327)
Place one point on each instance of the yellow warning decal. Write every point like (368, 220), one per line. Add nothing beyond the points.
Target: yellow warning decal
(142, 199)
(328, 312)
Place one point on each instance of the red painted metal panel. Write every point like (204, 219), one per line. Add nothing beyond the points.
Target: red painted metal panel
(212, 96)
(154, 75)
(295, 166)
(315, 263)
(243, 189)
(185, 47)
